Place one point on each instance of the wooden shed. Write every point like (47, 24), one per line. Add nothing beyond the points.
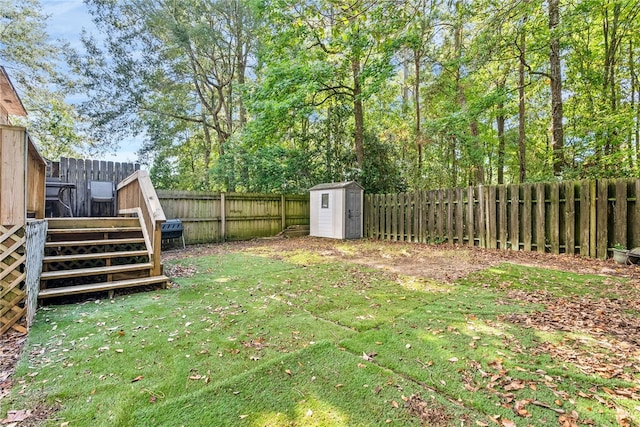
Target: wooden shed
(336, 210)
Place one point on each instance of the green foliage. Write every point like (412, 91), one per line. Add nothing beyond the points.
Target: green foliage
(278, 95)
(30, 59)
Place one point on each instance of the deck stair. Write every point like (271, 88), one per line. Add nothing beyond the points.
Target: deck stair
(90, 255)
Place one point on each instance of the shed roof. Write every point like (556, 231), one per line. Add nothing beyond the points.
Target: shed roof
(9, 97)
(334, 185)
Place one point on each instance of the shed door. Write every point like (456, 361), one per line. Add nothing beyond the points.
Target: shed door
(353, 214)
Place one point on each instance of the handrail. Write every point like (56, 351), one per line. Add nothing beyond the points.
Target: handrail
(148, 194)
(136, 191)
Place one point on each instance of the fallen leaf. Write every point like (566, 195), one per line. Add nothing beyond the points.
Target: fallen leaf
(138, 378)
(514, 385)
(16, 416)
(242, 417)
(395, 404)
(339, 385)
(623, 417)
(520, 408)
(453, 359)
(507, 423)
(288, 372)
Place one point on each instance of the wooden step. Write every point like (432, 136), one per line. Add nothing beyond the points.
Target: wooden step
(99, 255)
(100, 287)
(58, 223)
(94, 271)
(134, 240)
(59, 231)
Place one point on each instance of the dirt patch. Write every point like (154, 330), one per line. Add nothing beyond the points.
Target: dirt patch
(444, 262)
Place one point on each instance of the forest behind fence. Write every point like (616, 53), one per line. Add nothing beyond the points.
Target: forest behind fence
(579, 217)
(217, 217)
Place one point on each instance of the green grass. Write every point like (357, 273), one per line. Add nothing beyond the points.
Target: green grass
(250, 340)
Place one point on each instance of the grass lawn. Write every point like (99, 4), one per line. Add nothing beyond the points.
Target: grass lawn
(264, 337)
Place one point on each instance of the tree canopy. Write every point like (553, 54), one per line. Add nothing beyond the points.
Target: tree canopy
(34, 64)
(278, 95)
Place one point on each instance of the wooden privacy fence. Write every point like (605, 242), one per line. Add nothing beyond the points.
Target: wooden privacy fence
(80, 172)
(578, 217)
(216, 217)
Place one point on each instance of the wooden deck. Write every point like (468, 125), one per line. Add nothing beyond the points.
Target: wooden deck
(89, 255)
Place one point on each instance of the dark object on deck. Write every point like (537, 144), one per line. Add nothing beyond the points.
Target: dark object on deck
(102, 192)
(56, 204)
(173, 229)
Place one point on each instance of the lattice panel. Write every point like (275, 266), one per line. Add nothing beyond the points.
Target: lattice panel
(12, 278)
(94, 249)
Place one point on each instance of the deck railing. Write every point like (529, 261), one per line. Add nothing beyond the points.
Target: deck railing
(136, 194)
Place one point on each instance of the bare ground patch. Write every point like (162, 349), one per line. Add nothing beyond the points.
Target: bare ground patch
(445, 262)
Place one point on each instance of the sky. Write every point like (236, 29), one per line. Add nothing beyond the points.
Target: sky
(67, 19)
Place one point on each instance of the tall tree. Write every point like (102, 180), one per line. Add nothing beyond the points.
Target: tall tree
(182, 64)
(555, 77)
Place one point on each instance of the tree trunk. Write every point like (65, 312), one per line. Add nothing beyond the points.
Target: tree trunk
(477, 168)
(635, 89)
(416, 94)
(522, 146)
(611, 44)
(500, 119)
(555, 74)
(358, 113)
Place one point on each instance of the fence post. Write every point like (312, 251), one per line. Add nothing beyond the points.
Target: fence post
(223, 218)
(283, 206)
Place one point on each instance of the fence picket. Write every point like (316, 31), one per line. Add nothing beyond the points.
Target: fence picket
(470, 217)
(570, 217)
(459, 216)
(527, 217)
(482, 224)
(540, 217)
(503, 232)
(602, 217)
(620, 214)
(492, 226)
(554, 218)
(514, 223)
